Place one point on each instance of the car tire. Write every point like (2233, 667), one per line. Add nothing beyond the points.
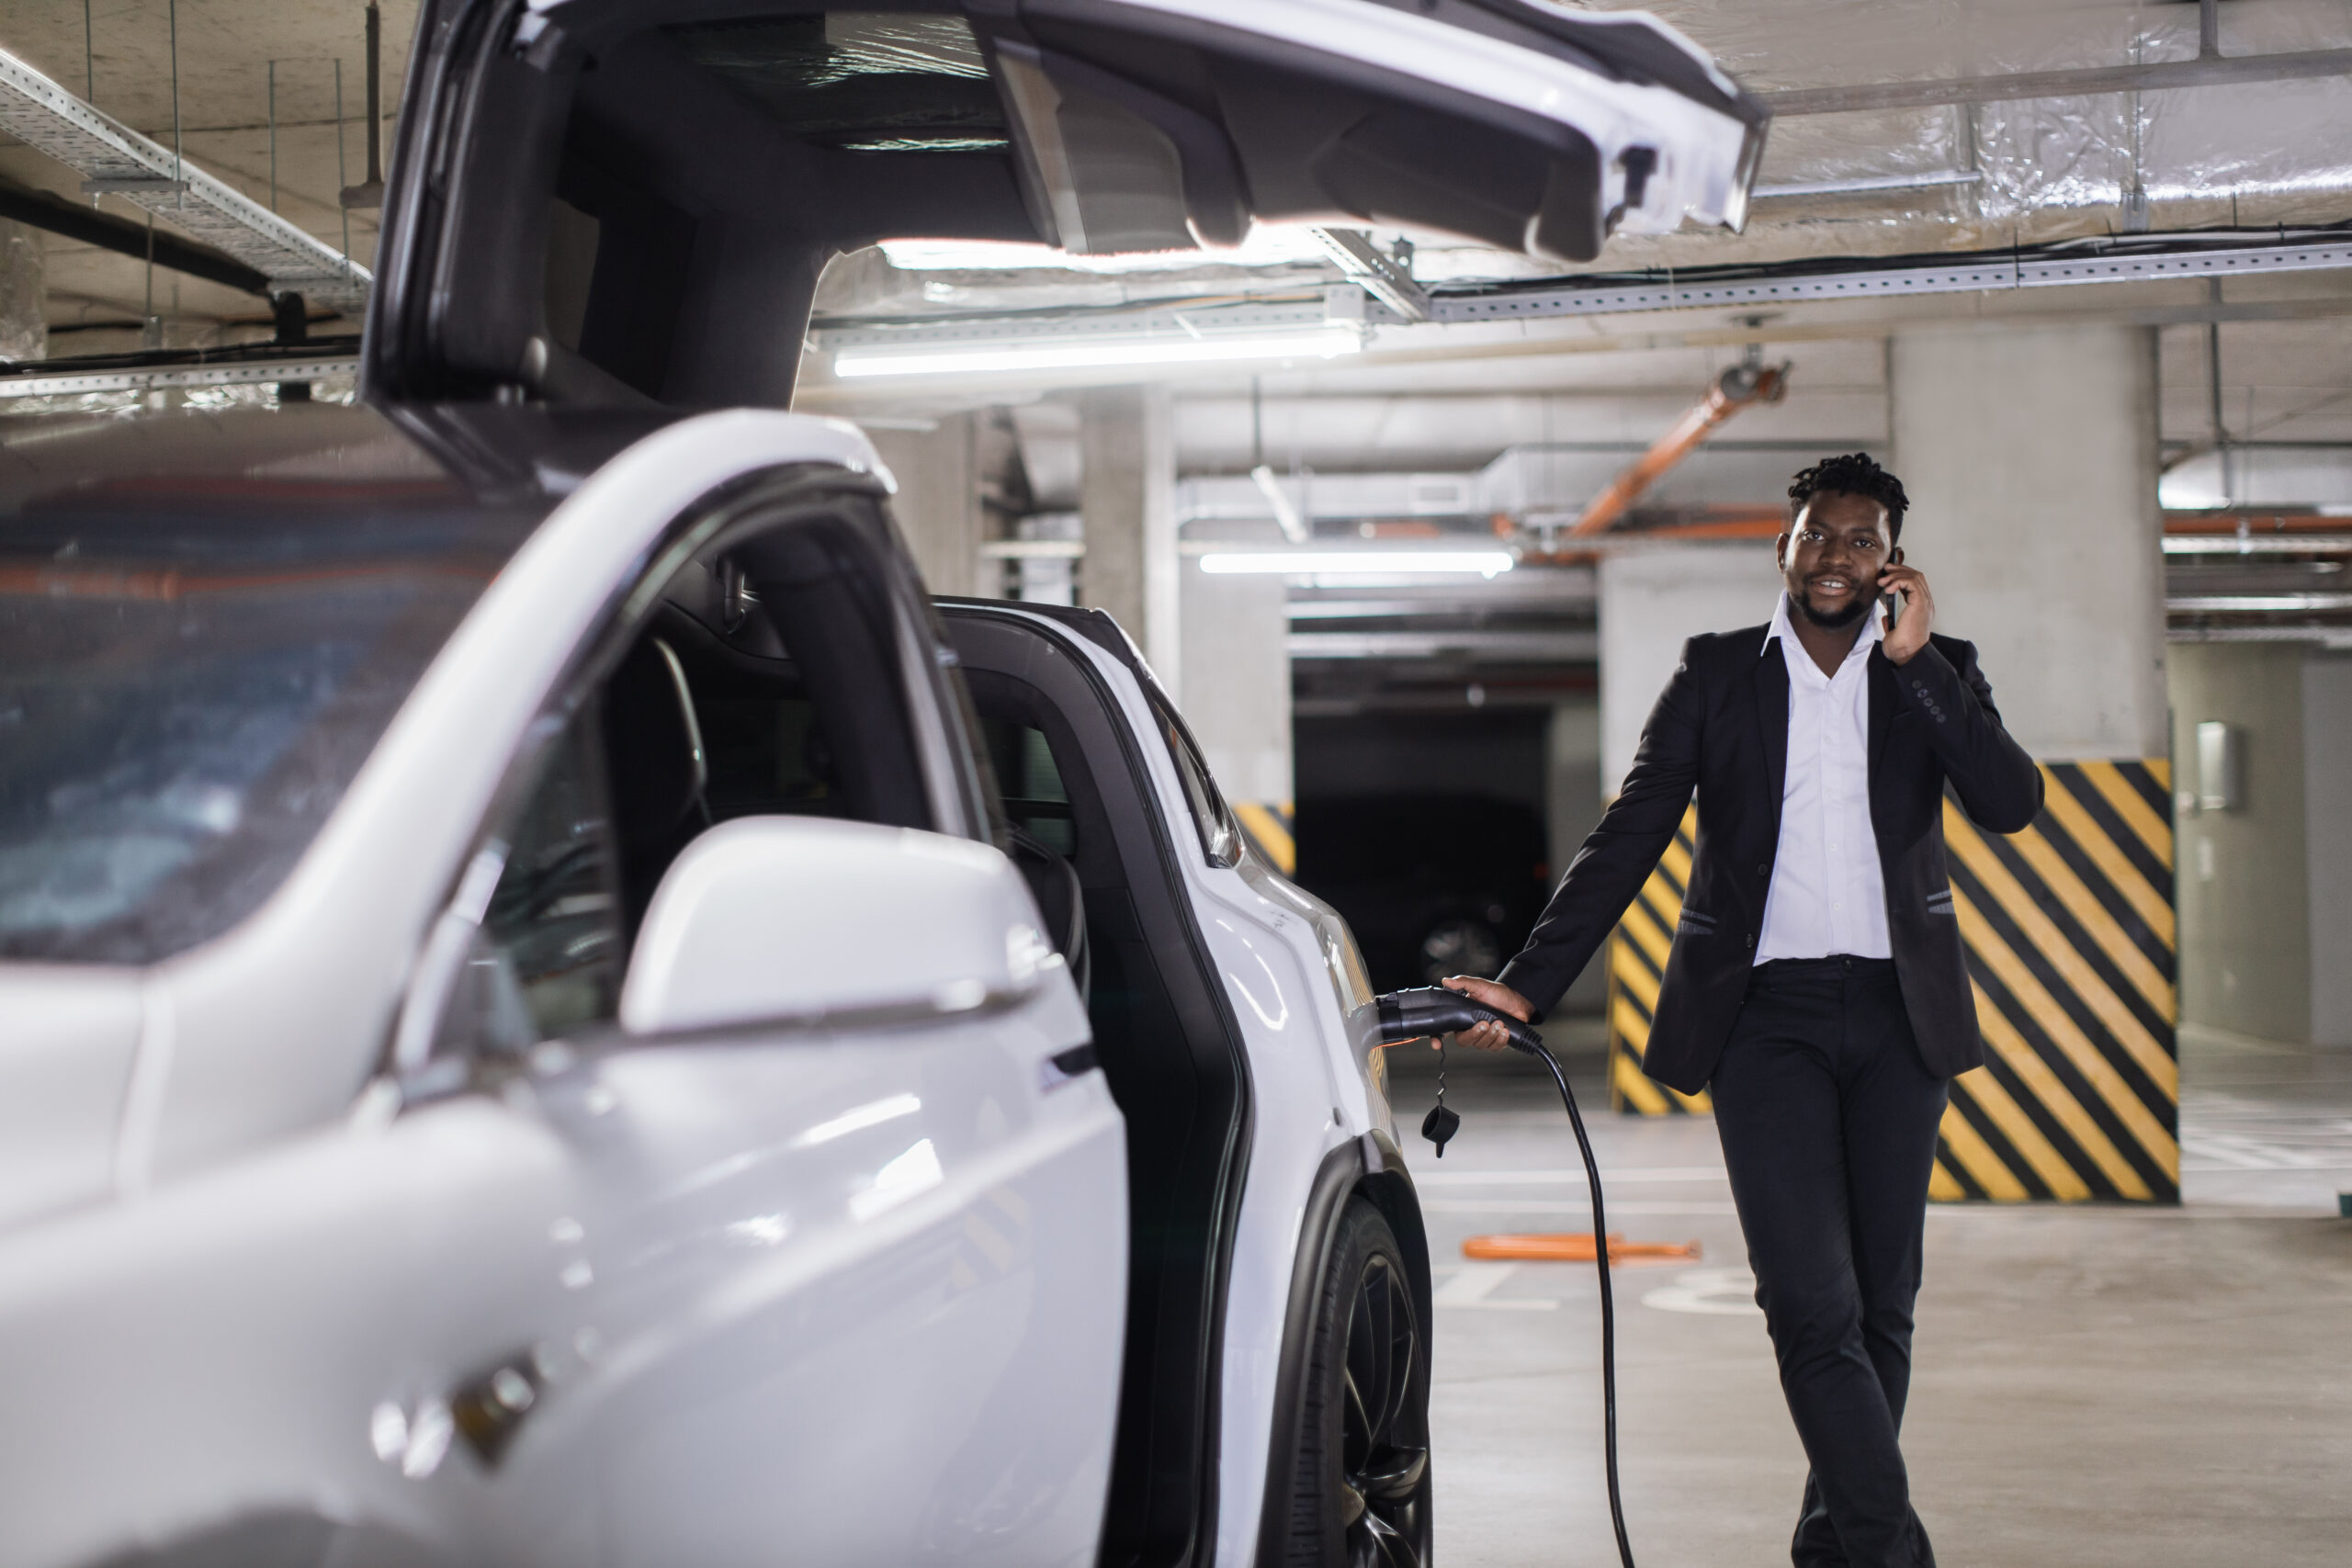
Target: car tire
(1360, 1483)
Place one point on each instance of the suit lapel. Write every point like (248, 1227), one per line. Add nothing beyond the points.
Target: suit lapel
(1772, 723)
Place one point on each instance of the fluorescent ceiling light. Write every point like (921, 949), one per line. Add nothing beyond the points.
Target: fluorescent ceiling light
(1320, 343)
(1267, 244)
(1317, 563)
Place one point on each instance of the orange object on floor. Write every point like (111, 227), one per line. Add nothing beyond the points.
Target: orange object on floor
(1576, 1246)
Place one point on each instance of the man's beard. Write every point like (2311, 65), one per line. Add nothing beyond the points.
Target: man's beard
(1854, 610)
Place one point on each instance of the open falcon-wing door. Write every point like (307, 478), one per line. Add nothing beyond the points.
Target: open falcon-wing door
(1156, 124)
(607, 201)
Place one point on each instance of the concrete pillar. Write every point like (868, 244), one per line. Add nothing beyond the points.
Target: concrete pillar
(1651, 604)
(938, 503)
(1127, 494)
(2031, 455)
(24, 294)
(1236, 658)
(2030, 459)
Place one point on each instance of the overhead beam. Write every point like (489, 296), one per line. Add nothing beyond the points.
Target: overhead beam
(52, 379)
(54, 214)
(1381, 275)
(2207, 70)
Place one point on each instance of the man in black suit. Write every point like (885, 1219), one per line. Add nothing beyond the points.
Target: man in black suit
(1817, 984)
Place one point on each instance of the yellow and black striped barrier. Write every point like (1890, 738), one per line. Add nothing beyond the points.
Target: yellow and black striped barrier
(1637, 951)
(1272, 827)
(2069, 931)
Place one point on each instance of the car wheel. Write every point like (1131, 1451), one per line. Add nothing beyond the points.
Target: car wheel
(1460, 945)
(1360, 1493)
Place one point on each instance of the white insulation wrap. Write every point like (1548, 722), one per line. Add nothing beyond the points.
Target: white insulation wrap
(2271, 145)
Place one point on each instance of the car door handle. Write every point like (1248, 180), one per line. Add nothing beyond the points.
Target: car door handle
(489, 1407)
(1064, 1065)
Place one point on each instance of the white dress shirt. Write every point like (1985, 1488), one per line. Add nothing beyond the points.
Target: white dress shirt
(1827, 895)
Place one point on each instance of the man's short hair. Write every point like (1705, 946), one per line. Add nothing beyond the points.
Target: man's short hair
(1853, 474)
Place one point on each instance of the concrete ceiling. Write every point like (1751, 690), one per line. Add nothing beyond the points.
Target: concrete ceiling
(1431, 397)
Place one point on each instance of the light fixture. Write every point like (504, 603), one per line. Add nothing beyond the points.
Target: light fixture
(1397, 563)
(1267, 244)
(1286, 516)
(943, 359)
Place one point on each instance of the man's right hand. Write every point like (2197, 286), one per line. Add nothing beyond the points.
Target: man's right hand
(1493, 994)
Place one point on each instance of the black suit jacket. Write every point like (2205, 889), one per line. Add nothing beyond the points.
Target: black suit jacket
(1722, 727)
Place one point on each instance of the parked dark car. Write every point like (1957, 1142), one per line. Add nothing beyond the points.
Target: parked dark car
(1433, 884)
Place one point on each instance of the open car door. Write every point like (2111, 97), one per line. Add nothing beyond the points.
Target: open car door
(628, 201)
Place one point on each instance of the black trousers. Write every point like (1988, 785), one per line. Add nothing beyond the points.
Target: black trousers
(1828, 1124)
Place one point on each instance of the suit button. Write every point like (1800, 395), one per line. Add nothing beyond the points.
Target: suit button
(1763, 870)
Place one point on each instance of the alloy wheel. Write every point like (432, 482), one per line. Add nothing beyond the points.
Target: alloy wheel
(1384, 1440)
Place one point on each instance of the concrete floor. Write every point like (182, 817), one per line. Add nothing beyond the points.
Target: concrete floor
(2093, 1386)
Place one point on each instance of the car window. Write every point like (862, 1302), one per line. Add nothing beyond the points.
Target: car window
(1035, 799)
(184, 700)
(1220, 834)
(547, 959)
(768, 756)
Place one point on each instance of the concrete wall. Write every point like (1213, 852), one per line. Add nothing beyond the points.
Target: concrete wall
(938, 503)
(2030, 455)
(2327, 843)
(1573, 798)
(1127, 495)
(2246, 948)
(1235, 660)
(1653, 603)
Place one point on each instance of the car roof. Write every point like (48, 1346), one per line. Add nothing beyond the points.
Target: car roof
(251, 473)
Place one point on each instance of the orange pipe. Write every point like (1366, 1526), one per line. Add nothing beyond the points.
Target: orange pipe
(1735, 390)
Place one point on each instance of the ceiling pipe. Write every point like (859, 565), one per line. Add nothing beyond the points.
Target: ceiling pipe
(72, 220)
(1744, 385)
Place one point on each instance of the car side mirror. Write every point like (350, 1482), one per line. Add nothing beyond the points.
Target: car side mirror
(807, 920)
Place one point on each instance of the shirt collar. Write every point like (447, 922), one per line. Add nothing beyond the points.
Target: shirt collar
(1786, 635)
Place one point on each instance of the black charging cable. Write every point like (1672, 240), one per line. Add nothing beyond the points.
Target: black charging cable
(1434, 1011)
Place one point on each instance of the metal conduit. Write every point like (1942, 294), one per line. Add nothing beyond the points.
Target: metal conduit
(115, 159)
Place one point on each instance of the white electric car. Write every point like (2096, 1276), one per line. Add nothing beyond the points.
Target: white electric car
(553, 1009)
(520, 1044)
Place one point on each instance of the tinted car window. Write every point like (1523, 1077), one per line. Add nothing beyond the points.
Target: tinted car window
(1035, 799)
(1220, 835)
(554, 920)
(183, 701)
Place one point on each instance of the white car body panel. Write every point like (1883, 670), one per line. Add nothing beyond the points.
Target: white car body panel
(67, 1037)
(820, 1252)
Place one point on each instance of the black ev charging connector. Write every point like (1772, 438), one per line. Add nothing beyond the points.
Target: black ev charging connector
(1434, 1011)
